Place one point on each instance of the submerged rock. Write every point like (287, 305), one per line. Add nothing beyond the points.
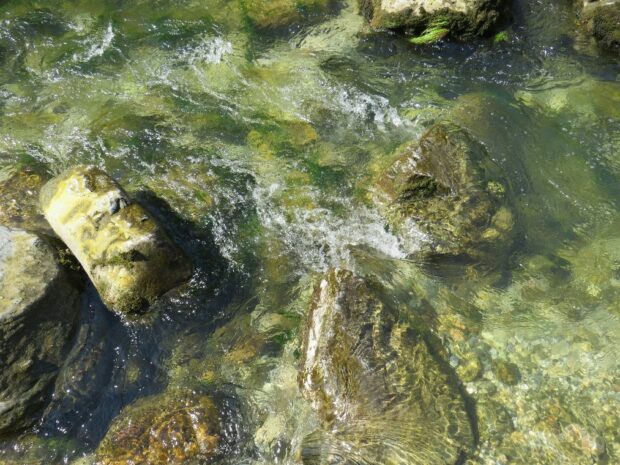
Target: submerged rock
(19, 199)
(128, 256)
(602, 20)
(450, 188)
(431, 20)
(274, 14)
(174, 428)
(38, 311)
(379, 382)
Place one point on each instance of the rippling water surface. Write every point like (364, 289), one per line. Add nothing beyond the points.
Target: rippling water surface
(258, 151)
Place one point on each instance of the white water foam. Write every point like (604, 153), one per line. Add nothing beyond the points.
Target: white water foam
(321, 238)
(97, 47)
(209, 50)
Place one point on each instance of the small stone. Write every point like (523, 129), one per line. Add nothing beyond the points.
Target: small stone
(508, 373)
(470, 369)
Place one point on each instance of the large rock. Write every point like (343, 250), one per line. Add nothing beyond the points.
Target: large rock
(173, 428)
(449, 186)
(602, 20)
(38, 311)
(126, 253)
(378, 380)
(458, 18)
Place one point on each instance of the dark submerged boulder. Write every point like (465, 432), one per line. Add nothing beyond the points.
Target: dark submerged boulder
(379, 381)
(452, 190)
(175, 428)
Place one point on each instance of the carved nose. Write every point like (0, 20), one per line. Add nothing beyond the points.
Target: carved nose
(117, 205)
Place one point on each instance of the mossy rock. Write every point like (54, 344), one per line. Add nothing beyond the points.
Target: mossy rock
(431, 20)
(39, 307)
(127, 254)
(376, 378)
(277, 14)
(19, 198)
(602, 20)
(175, 428)
(449, 186)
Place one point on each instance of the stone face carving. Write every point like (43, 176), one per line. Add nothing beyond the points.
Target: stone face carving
(126, 253)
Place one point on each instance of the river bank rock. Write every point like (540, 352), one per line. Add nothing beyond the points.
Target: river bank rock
(174, 428)
(128, 256)
(450, 188)
(602, 20)
(39, 307)
(376, 378)
(430, 20)
(19, 199)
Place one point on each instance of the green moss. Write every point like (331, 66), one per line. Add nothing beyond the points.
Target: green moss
(437, 29)
(430, 36)
(501, 37)
(605, 26)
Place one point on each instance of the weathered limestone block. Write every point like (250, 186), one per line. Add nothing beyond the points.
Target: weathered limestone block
(126, 253)
(378, 380)
(174, 428)
(436, 18)
(449, 186)
(39, 307)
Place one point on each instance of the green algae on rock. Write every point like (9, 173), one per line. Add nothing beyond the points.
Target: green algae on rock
(451, 189)
(129, 257)
(431, 20)
(602, 20)
(275, 14)
(174, 428)
(19, 198)
(39, 306)
(376, 379)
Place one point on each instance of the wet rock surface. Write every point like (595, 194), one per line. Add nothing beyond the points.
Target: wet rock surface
(19, 198)
(450, 188)
(274, 14)
(602, 20)
(375, 379)
(129, 257)
(39, 306)
(436, 18)
(174, 428)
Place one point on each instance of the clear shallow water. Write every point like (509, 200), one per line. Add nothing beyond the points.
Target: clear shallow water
(262, 149)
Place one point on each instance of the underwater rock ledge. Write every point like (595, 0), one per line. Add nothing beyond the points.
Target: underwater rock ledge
(380, 384)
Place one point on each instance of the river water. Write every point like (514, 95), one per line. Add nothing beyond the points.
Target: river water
(261, 148)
